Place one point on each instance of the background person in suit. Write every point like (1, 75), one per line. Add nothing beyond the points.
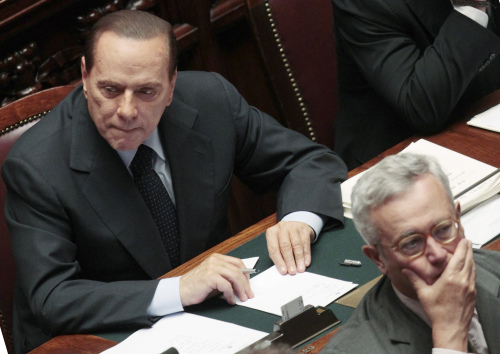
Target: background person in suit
(404, 66)
(88, 249)
(437, 293)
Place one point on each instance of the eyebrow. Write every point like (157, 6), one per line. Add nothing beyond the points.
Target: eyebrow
(103, 83)
(414, 231)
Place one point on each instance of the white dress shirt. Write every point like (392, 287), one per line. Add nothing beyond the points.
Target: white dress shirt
(474, 14)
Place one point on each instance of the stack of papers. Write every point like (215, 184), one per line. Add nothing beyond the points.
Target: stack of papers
(482, 223)
(462, 172)
(489, 119)
(189, 334)
(272, 290)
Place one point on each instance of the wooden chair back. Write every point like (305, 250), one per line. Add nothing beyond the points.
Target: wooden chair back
(297, 46)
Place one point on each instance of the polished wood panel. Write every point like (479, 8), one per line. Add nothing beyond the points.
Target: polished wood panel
(75, 344)
(27, 108)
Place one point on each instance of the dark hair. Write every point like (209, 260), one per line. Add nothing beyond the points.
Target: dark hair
(132, 24)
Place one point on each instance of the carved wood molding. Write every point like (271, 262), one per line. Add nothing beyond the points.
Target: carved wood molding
(226, 12)
(27, 70)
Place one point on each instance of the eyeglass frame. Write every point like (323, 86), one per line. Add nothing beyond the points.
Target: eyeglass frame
(426, 236)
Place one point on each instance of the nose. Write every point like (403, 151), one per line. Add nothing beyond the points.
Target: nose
(434, 251)
(127, 109)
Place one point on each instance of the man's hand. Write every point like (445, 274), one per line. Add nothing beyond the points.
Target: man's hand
(449, 302)
(289, 246)
(217, 274)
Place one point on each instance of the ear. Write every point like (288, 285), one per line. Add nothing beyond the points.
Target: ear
(85, 76)
(172, 87)
(373, 253)
(458, 208)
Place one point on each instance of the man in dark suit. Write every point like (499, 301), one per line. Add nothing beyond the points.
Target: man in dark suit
(405, 66)
(87, 240)
(437, 294)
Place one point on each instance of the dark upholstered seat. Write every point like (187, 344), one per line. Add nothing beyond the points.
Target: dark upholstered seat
(15, 119)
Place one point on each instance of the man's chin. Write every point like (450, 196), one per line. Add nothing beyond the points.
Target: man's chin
(124, 144)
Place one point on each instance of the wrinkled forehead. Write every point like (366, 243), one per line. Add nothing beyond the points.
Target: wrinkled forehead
(420, 207)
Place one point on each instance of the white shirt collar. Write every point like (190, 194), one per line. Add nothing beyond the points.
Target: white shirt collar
(412, 304)
(153, 141)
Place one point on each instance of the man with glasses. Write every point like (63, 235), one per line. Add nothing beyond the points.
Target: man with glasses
(437, 293)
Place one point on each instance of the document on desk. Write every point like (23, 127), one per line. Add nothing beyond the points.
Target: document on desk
(489, 120)
(272, 290)
(462, 171)
(482, 223)
(189, 334)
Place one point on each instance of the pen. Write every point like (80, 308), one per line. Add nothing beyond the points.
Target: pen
(249, 270)
(350, 262)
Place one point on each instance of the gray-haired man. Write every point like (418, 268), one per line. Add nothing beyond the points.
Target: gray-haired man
(437, 294)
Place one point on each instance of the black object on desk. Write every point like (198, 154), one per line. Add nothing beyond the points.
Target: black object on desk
(298, 329)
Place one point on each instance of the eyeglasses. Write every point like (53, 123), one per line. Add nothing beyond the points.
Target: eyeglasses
(413, 246)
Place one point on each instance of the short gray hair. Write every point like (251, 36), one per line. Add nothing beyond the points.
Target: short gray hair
(390, 177)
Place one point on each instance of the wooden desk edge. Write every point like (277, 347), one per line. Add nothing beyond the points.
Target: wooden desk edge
(89, 344)
(225, 247)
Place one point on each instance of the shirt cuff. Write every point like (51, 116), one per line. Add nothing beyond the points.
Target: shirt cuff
(167, 298)
(445, 351)
(474, 14)
(315, 221)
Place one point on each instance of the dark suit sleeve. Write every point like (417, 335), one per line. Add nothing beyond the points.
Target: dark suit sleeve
(270, 157)
(423, 83)
(48, 271)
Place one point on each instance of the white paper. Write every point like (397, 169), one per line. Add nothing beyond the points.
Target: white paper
(250, 262)
(462, 171)
(189, 334)
(489, 119)
(272, 290)
(482, 223)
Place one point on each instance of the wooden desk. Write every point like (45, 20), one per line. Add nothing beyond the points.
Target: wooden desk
(476, 143)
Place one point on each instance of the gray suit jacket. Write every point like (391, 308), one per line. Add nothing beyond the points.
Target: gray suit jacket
(84, 242)
(382, 324)
(403, 67)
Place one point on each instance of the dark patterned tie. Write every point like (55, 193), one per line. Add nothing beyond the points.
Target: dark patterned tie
(158, 201)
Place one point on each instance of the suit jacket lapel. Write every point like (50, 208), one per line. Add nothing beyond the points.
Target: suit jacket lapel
(488, 307)
(111, 192)
(432, 13)
(406, 326)
(191, 160)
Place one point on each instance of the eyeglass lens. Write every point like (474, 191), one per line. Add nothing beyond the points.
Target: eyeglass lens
(415, 244)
